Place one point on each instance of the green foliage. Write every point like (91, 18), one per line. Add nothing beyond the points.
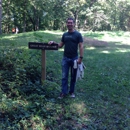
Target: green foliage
(95, 15)
(102, 97)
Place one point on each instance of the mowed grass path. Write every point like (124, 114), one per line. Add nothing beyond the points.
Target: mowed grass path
(102, 97)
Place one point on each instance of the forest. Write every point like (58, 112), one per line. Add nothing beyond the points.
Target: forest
(94, 15)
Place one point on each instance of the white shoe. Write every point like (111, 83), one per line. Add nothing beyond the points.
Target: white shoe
(72, 95)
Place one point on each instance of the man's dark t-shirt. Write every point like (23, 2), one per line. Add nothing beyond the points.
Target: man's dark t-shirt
(71, 41)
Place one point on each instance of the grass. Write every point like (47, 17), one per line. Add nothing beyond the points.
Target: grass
(102, 98)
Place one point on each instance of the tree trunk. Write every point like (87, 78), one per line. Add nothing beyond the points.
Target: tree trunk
(76, 19)
(0, 16)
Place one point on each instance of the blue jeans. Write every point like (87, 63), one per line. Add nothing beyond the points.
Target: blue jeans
(67, 64)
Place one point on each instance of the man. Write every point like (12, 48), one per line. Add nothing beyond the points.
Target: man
(71, 40)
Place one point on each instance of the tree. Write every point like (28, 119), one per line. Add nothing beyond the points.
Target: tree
(0, 16)
(32, 15)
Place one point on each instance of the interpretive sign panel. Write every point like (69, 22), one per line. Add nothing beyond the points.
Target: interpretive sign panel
(43, 46)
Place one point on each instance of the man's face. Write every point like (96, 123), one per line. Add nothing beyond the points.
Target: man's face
(70, 24)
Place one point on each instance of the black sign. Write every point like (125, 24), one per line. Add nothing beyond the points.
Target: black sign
(43, 46)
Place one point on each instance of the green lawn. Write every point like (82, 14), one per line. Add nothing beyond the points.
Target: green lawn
(102, 97)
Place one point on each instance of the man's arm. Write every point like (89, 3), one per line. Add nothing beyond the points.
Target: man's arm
(80, 52)
(60, 45)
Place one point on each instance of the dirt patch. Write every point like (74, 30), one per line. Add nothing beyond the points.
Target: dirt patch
(95, 42)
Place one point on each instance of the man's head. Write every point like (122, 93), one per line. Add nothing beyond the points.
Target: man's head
(70, 22)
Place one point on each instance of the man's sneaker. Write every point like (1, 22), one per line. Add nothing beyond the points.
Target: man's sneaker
(61, 96)
(72, 95)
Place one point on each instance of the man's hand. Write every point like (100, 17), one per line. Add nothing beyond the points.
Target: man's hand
(51, 42)
(79, 60)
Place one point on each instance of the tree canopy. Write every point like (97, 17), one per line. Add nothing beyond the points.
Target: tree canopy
(95, 15)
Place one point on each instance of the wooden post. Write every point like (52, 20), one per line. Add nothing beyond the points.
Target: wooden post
(43, 65)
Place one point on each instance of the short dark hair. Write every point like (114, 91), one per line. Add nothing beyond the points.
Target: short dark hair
(70, 18)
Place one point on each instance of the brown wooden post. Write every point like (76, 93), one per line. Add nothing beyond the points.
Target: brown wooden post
(43, 65)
